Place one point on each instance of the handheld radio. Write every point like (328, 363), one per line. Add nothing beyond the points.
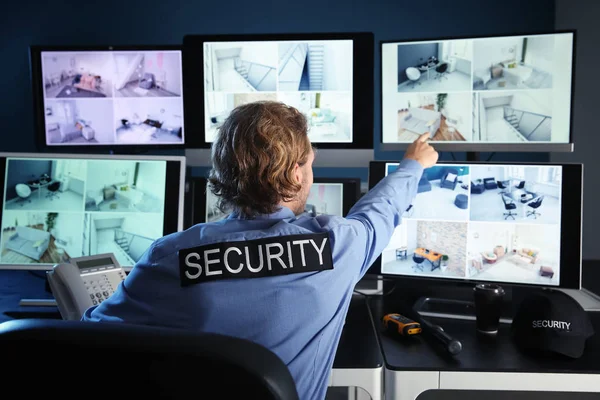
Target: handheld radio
(400, 324)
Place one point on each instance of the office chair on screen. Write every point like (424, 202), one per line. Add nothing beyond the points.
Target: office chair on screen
(101, 360)
(509, 206)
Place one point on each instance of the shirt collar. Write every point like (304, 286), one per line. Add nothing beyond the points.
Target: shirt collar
(283, 213)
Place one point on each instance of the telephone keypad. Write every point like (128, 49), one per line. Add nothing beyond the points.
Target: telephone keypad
(100, 287)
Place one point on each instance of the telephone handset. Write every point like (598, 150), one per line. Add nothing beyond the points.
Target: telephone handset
(84, 282)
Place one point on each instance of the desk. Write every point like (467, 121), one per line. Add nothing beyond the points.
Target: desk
(358, 361)
(415, 366)
(427, 67)
(434, 258)
(39, 186)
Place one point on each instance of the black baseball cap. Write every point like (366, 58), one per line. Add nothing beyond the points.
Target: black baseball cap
(551, 321)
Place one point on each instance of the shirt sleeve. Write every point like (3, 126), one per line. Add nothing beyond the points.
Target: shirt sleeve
(372, 220)
(130, 301)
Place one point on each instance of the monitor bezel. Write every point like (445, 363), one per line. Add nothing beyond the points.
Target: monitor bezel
(482, 146)
(195, 201)
(174, 200)
(36, 82)
(571, 224)
(362, 86)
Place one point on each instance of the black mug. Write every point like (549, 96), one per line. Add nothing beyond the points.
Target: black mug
(488, 307)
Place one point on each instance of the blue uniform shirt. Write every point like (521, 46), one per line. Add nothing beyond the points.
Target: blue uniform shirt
(298, 316)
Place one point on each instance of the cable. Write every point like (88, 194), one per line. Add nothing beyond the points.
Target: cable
(452, 154)
(490, 157)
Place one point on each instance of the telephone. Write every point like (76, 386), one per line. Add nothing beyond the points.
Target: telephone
(84, 282)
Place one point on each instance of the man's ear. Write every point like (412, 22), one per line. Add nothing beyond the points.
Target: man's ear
(298, 173)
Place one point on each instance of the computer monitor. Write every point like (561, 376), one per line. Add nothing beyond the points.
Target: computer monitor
(332, 196)
(327, 76)
(58, 206)
(510, 223)
(111, 97)
(500, 93)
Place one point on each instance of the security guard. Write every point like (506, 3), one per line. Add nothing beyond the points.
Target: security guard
(269, 272)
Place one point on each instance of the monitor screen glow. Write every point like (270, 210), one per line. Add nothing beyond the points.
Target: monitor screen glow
(112, 98)
(57, 208)
(489, 91)
(481, 222)
(315, 76)
(324, 198)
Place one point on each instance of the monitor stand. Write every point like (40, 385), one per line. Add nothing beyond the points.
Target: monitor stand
(457, 302)
(37, 303)
(40, 302)
(452, 308)
(39, 308)
(458, 306)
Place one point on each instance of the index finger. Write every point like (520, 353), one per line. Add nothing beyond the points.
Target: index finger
(424, 137)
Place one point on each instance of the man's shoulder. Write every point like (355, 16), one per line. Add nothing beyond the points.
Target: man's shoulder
(209, 233)
(171, 244)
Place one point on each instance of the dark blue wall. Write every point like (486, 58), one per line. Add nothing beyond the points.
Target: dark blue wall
(141, 22)
(411, 55)
(23, 171)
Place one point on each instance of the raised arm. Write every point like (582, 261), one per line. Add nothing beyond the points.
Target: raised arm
(375, 216)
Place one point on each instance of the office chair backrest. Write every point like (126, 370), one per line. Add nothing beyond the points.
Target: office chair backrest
(418, 259)
(54, 186)
(104, 360)
(539, 201)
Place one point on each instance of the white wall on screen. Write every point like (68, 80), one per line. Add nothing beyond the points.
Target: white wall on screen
(458, 107)
(152, 227)
(151, 178)
(540, 52)
(107, 173)
(68, 228)
(491, 51)
(481, 172)
(337, 65)
(561, 83)
(260, 53)
(97, 115)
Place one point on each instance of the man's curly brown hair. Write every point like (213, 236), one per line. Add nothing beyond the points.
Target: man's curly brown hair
(254, 157)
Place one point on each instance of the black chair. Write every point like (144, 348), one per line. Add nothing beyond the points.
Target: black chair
(442, 70)
(53, 190)
(535, 204)
(509, 206)
(418, 262)
(49, 358)
(521, 185)
(501, 186)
